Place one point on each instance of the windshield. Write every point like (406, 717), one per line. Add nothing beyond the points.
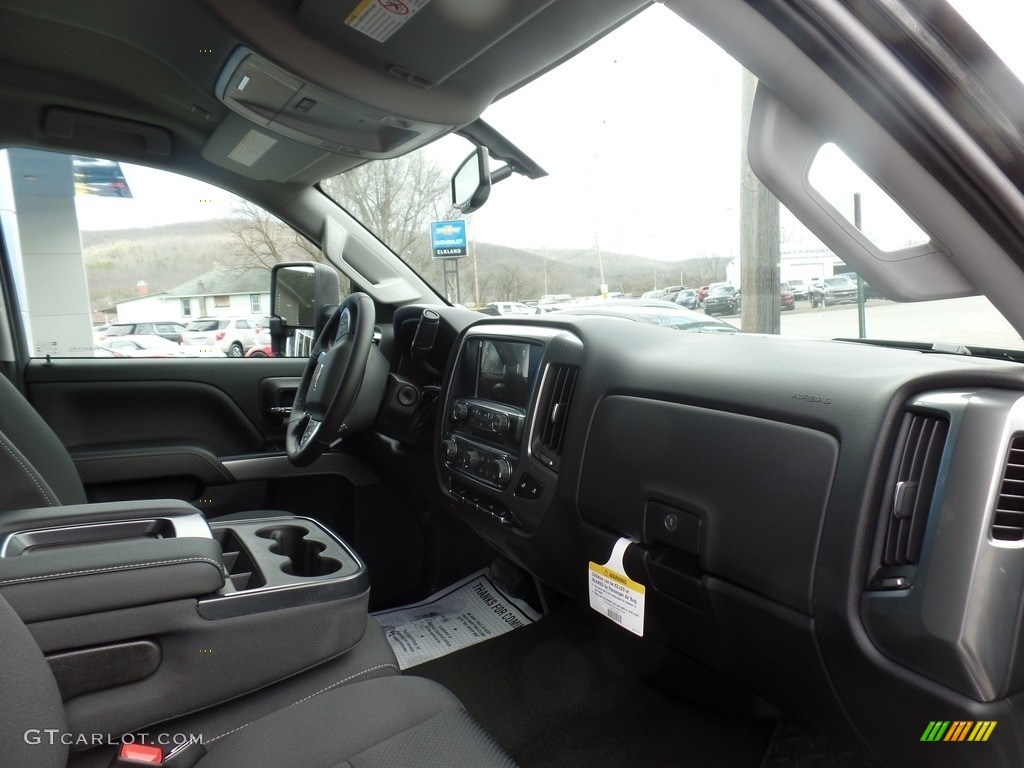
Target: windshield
(641, 137)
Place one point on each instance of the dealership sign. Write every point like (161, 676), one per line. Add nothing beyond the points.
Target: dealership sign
(448, 239)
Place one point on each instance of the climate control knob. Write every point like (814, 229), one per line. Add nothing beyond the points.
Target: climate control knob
(449, 450)
(460, 411)
(500, 471)
(473, 459)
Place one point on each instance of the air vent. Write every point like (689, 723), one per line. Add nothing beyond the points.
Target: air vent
(917, 458)
(555, 399)
(1009, 521)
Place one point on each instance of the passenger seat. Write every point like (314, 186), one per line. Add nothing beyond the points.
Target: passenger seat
(387, 721)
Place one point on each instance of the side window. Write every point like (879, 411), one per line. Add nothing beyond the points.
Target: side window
(102, 249)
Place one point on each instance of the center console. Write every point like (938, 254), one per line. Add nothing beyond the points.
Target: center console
(506, 400)
(145, 611)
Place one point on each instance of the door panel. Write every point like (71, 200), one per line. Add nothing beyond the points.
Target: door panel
(163, 428)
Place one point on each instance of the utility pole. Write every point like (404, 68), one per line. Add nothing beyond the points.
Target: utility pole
(862, 331)
(759, 235)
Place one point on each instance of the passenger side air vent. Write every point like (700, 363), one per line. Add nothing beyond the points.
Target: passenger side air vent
(912, 486)
(1009, 521)
(553, 412)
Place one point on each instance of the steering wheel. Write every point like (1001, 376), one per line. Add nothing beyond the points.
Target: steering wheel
(331, 381)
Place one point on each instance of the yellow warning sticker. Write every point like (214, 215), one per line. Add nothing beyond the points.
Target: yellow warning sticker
(616, 596)
(380, 19)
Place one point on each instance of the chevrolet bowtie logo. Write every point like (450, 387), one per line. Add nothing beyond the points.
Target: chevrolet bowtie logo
(316, 376)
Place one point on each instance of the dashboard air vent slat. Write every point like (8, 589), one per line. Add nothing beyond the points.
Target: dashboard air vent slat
(918, 457)
(1008, 524)
(560, 383)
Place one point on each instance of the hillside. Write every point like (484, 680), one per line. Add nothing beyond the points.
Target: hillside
(163, 257)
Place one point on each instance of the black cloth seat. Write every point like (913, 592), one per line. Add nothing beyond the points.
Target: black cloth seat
(389, 721)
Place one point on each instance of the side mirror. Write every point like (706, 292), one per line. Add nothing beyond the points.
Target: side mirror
(302, 296)
(471, 184)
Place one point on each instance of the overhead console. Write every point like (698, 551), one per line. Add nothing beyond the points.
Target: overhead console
(506, 401)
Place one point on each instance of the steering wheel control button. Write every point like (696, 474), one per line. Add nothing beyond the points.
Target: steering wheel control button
(528, 487)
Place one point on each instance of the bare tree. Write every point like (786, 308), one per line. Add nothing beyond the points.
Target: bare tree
(262, 240)
(508, 281)
(397, 199)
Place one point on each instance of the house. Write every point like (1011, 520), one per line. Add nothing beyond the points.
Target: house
(221, 292)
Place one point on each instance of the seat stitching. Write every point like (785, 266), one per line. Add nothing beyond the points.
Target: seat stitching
(51, 500)
(112, 568)
(306, 698)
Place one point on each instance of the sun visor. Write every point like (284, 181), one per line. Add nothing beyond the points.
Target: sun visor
(288, 106)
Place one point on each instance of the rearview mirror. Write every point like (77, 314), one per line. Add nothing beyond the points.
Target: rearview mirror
(471, 184)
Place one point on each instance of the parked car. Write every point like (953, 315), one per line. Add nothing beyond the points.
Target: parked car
(165, 329)
(142, 346)
(231, 335)
(799, 288)
(155, 346)
(263, 346)
(501, 308)
(838, 289)
(722, 299)
(688, 298)
(787, 301)
(655, 312)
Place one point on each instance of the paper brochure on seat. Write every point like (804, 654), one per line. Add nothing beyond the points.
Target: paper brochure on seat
(468, 612)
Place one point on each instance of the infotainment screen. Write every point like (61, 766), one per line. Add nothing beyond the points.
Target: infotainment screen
(506, 371)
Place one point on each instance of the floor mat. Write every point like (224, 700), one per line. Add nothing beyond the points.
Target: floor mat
(464, 614)
(555, 695)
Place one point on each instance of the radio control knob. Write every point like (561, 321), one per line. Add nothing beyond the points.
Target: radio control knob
(449, 450)
(460, 411)
(500, 471)
(473, 459)
(499, 423)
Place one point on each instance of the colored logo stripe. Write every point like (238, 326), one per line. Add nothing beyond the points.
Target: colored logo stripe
(982, 730)
(958, 730)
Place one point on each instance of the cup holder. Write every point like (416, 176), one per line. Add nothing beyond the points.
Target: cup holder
(304, 556)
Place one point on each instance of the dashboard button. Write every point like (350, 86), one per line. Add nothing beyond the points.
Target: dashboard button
(528, 487)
